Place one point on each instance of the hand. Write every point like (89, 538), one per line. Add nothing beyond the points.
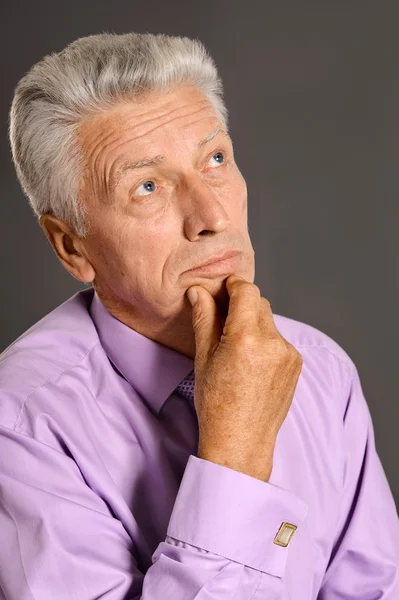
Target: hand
(245, 379)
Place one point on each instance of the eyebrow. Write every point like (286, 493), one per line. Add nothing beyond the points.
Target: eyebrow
(127, 165)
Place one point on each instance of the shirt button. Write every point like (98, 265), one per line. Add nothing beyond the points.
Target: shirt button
(284, 534)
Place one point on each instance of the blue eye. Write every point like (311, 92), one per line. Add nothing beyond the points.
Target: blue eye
(220, 154)
(150, 183)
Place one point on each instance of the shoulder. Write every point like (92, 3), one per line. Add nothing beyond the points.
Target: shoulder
(310, 341)
(328, 372)
(58, 342)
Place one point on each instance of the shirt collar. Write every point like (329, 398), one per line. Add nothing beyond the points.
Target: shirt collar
(152, 369)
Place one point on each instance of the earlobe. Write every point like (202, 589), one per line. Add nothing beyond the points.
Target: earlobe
(63, 242)
(78, 266)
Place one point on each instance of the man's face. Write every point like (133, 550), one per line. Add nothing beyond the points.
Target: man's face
(149, 225)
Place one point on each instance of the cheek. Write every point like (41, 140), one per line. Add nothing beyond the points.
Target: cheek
(241, 194)
(235, 199)
(148, 260)
(236, 183)
(110, 246)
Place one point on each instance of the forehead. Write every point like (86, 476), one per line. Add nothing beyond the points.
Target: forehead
(139, 117)
(124, 165)
(113, 138)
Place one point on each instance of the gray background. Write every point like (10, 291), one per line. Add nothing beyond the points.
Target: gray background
(313, 94)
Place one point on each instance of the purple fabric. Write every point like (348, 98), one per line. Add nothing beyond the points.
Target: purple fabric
(102, 494)
(186, 387)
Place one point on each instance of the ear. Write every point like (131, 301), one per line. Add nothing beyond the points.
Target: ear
(69, 247)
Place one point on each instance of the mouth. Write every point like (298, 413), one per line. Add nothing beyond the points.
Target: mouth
(219, 265)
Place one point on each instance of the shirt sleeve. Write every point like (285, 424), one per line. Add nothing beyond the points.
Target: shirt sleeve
(364, 562)
(60, 541)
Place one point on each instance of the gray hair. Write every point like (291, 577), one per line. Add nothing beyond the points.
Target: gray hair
(88, 76)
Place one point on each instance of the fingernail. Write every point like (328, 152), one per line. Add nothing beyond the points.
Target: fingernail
(192, 295)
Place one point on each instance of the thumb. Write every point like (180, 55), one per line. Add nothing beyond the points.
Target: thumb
(206, 320)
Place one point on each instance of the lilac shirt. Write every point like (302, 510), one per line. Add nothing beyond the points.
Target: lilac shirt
(102, 494)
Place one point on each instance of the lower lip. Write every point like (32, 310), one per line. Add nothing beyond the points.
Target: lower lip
(220, 267)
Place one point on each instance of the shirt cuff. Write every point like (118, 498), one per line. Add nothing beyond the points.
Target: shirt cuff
(234, 515)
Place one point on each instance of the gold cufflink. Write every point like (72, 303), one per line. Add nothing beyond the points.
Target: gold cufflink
(284, 534)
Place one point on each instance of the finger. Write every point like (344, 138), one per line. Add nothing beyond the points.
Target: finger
(266, 320)
(206, 322)
(243, 310)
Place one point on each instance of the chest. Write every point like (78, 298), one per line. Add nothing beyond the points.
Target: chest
(140, 461)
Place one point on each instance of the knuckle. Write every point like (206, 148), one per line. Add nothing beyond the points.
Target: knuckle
(247, 287)
(247, 339)
(275, 339)
(277, 347)
(299, 359)
(296, 356)
(265, 301)
(293, 351)
(289, 353)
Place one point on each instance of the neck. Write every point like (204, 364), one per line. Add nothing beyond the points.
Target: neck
(175, 332)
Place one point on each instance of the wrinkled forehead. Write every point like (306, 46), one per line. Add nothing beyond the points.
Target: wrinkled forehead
(144, 113)
(113, 137)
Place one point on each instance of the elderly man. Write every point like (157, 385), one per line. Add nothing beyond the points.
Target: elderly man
(123, 476)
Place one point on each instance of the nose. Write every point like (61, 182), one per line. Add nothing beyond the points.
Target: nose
(205, 212)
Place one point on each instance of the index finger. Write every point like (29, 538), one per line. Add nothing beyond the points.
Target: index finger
(243, 310)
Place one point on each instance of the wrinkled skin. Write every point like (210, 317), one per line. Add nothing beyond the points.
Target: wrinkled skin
(161, 220)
